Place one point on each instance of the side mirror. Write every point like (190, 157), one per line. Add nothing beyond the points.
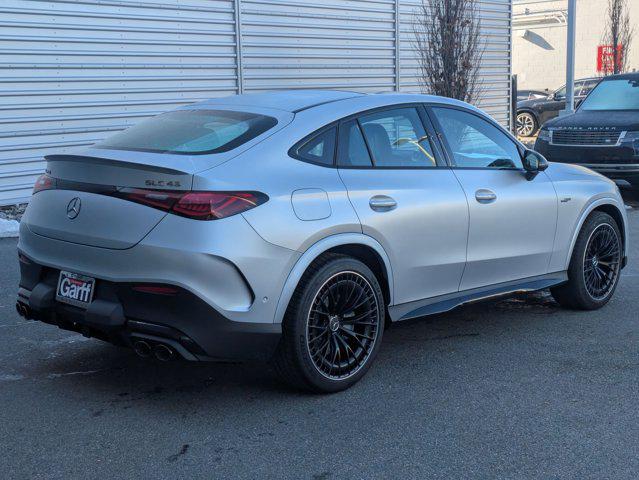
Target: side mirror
(533, 163)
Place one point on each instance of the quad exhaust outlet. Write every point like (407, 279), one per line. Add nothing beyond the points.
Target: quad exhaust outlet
(161, 352)
(142, 349)
(23, 310)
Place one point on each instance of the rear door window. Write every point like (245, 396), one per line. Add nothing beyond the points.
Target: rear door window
(397, 138)
(191, 132)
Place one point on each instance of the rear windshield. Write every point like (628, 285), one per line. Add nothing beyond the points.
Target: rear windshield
(191, 132)
(613, 95)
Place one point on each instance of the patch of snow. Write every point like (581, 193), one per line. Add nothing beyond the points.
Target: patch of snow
(8, 228)
(87, 372)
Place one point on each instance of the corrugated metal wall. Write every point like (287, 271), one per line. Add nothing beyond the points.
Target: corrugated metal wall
(495, 16)
(74, 71)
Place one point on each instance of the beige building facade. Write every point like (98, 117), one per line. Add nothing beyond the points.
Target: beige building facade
(539, 40)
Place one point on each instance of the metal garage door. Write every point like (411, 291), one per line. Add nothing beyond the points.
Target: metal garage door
(74, 71)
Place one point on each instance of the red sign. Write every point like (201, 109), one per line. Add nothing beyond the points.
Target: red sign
(606, 58)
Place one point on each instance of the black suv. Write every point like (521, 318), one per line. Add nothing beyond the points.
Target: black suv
(531, 114)
(603, 134)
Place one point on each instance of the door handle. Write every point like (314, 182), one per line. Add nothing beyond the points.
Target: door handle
(382, 203)
(483, 195)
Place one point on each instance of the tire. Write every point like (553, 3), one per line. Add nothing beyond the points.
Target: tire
(596, 261)
(333, 326)
(526, 124)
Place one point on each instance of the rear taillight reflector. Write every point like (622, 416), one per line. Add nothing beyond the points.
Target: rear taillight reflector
(156, 289)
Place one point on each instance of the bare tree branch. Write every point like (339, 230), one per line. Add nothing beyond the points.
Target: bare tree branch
(618, 35)
(449, 49)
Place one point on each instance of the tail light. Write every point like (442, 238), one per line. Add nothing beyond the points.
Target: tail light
(195, 205)
(44, 182)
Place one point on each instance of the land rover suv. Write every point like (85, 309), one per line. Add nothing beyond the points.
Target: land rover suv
(603, 134)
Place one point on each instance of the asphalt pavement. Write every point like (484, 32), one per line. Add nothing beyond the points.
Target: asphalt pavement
(508, 389)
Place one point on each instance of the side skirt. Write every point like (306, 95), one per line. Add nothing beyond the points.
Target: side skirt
(444, 303)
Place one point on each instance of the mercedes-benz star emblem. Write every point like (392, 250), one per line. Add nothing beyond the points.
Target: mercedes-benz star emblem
(73, 208)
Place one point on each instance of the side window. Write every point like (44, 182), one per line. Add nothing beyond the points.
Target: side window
(319, 149)
(579, 89)
(352, 151)
(397, 138)
(561, 93)
(474, 142)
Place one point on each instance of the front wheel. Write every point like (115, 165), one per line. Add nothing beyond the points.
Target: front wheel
(593, 273)
(333, 327)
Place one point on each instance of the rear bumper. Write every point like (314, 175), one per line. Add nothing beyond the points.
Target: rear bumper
(122, 316)
(229, 281)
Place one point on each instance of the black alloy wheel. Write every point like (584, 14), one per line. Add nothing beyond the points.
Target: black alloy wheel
(595, 265)
(602, 259)
(342, 325)
(333, 326)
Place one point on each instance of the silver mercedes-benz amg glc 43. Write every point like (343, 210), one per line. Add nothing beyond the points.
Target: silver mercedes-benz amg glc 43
(295, 226)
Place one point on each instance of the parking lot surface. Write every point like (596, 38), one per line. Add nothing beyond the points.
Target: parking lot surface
(515, 388)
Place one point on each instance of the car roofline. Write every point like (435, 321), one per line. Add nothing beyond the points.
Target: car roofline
(307, 107)
(622, 76)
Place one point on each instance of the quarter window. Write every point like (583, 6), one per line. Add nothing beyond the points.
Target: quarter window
(396, 138)
(319, 149)
(474, 142)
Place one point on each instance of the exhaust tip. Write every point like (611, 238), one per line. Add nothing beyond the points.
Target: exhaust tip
(142, 349)
(23, 310)
(163, 353)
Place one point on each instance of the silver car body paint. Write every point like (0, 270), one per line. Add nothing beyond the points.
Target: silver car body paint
(437, 241)
(512, 237)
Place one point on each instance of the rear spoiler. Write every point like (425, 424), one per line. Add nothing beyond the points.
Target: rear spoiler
(113, 162)
(126, 171)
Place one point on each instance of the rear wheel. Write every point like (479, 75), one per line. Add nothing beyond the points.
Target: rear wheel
(526, 124)
(333, 327)
(595, 264)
